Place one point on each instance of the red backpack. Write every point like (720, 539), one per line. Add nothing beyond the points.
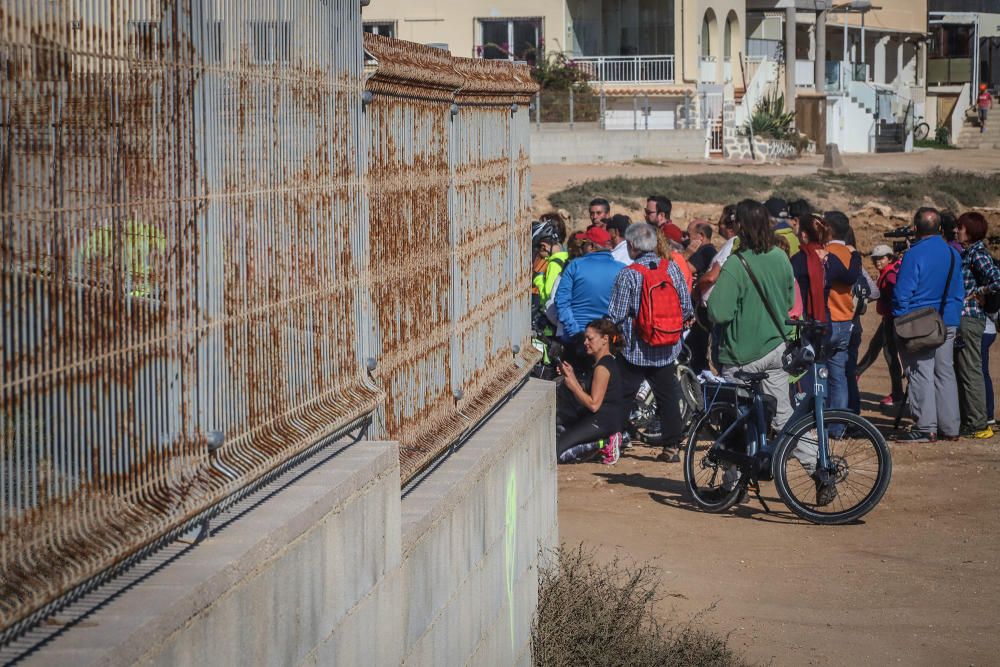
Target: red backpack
(660, 320)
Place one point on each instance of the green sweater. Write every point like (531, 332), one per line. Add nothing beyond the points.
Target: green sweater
(748, 332)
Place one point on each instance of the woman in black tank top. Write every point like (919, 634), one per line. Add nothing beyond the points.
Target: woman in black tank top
(597, 413)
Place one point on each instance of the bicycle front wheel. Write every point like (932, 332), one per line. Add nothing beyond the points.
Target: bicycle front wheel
(855, 480)
(714, 485)
(921, 131)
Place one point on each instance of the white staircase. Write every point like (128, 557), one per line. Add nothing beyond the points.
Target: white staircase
(971, 137)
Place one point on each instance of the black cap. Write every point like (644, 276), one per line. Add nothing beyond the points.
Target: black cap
(776, 208)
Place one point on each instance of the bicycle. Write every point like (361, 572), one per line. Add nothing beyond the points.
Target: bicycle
(921, 130)
(729, 453)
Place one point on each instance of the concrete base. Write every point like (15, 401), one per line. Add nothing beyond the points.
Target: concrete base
(589, 146)
(338, 569)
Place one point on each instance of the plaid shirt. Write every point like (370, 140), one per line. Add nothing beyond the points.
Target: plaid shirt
(980, 276)
(624, 307)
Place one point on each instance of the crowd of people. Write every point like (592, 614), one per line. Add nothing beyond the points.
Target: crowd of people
(625, 299)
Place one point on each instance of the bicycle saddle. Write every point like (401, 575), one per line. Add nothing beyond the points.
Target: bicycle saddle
(750, 377)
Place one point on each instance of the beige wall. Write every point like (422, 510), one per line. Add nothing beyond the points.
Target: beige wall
(454, 23)
(895, 15)
(691, 13)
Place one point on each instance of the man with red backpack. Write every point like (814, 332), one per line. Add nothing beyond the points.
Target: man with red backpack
(651, 304)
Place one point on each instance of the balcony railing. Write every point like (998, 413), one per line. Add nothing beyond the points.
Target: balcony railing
(949, 70)
(706, 69)
(627, 69)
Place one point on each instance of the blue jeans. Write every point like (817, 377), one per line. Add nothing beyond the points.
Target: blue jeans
(838, 343)
(987, 342)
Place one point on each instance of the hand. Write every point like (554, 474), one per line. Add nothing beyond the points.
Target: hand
(567, 371)
(694, 245)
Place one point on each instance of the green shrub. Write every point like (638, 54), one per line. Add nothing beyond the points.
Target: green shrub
(769, 119)
(592, 613)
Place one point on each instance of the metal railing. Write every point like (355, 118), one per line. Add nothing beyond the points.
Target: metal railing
(214, 257)
(706, 69)
(627, 69)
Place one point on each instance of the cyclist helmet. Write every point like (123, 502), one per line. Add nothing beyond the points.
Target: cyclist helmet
(543, 231)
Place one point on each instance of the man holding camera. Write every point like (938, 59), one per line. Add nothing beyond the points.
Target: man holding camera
(930, 278)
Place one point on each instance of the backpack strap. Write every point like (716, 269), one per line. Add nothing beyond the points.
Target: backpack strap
(947, 282)
(558, 261)
(760, 293)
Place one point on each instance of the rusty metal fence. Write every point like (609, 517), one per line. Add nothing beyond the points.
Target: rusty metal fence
(228, 237)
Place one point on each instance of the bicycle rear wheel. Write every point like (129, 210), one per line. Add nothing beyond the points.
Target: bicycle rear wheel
(714, 485)
(857, 478)
(921, 131)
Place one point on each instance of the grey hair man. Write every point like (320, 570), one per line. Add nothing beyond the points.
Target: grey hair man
(639, 360)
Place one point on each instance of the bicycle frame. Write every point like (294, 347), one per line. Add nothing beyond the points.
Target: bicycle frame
(813, 402)
(754, 418)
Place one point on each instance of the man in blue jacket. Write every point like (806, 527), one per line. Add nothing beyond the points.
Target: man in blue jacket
(922, 281)
(582, 296)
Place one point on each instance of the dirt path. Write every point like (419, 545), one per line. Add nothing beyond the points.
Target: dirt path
(915, 583)
(546, 179)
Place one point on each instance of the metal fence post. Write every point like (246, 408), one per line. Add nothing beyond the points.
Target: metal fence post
(635, 112)
(571, 107)
(538, 109)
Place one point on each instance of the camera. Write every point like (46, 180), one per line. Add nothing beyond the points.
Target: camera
(905, 233)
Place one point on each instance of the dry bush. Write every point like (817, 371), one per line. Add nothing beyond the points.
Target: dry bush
(593, 613)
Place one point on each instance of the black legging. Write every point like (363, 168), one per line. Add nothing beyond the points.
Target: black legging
(884, 341)
(581, 424)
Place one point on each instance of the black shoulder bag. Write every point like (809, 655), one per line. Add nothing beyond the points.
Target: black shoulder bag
(923, 329)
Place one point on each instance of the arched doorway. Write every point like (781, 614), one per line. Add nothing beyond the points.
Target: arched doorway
(731, 46)
(709, 48)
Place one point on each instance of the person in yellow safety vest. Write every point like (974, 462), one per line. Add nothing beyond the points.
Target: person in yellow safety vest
(140, 243)
(777, 209)
(549, 237)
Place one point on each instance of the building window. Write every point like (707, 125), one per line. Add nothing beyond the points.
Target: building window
(271, 41)
(951, 41)
(510, 39)
(387, 28)
(622, 27)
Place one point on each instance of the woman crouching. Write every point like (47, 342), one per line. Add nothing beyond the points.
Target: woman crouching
(592, 421)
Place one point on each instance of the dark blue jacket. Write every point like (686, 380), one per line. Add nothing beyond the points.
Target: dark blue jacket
(585, 289)
(921, 280)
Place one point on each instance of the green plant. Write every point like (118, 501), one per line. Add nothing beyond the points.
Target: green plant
(769, 118)
(942, 134)
(557, 72)
(592, 613)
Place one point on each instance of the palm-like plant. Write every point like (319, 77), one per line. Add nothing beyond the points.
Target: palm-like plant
(769, 118)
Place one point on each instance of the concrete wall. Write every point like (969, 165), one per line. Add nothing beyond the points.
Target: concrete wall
(338, 569)
(590, 146)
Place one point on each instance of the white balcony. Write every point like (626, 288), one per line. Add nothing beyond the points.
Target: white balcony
(627, 69)
(727, 70)
(805, 73)
(706, 69)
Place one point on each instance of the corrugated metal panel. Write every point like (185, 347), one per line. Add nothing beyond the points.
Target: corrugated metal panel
(205, 237)
(452, 318)
(178, 266)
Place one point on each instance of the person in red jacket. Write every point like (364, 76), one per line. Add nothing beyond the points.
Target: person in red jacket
(884, 340)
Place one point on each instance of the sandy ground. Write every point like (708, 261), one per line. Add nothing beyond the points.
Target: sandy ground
(914, 583)
(546, 179)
